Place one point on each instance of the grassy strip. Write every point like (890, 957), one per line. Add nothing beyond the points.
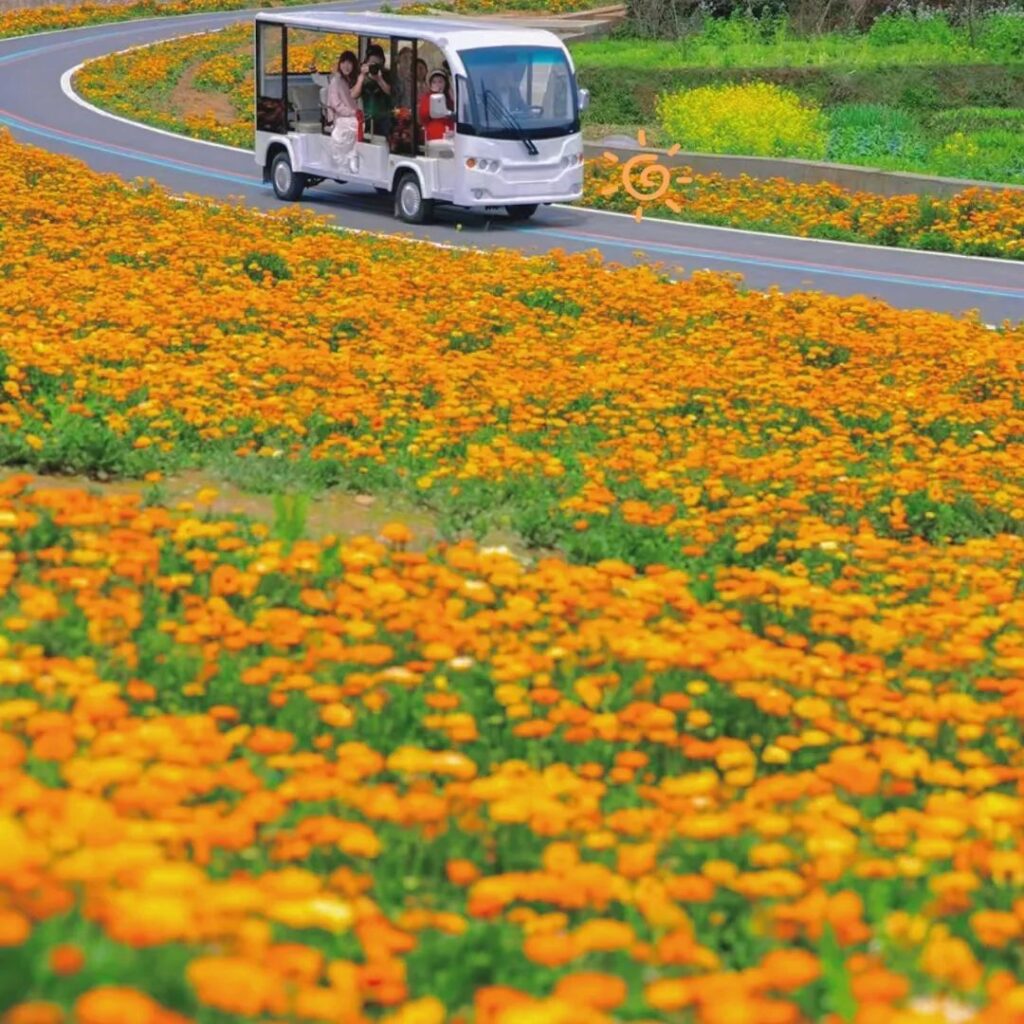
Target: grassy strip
(749, 43)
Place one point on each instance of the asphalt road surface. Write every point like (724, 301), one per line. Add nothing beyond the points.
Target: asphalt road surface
(35, 104)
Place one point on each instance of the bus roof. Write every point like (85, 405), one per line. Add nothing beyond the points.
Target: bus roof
(462, 33)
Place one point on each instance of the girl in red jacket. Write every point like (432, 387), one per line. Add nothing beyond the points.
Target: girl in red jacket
(435, 127)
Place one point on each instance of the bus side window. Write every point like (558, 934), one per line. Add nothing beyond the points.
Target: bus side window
(464, 102)
(271, 113)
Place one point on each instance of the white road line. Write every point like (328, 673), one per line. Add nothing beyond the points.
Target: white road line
(340, 228)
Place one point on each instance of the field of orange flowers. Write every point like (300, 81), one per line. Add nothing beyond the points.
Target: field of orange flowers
(22, 21)
(44, 18)
(743, 745)
(977, 222)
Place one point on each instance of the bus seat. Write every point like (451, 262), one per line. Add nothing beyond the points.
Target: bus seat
(305, 100)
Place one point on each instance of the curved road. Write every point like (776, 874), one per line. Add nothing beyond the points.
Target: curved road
(38, 110)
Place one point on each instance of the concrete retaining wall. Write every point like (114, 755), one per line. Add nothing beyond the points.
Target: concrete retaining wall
(856, 179)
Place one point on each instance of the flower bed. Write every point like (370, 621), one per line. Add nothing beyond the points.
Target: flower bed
(975, 222)
(750, 745)
(24, 21)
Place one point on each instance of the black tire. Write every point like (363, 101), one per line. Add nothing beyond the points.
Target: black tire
(287, 184)
(524, 212)
(410, 205)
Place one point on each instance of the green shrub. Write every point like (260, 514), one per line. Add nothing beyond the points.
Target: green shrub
(742, 30)
(863, 132)
(906, 29)
(755, 119)
(977, 119)
(1002, 36)
(985, 156)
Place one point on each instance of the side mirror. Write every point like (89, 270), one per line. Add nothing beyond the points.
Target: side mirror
(584, 95)
(438, 105)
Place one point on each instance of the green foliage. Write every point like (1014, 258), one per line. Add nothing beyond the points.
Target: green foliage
(987, 156)
(546, 298)
(902, 29)
(860, 133)
(741, 41)
(1002, 36)
(290, 514)
(256, 264)
(976, 119)
(460, 341)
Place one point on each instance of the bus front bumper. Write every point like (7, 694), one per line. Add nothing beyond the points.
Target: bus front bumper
(487, 198)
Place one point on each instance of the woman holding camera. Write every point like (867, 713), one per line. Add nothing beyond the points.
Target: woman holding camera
(376, 92)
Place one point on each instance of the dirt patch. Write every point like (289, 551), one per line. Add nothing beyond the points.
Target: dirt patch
(332, 513)
(188, 101)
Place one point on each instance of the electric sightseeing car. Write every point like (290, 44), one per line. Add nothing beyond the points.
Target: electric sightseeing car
(510, 111)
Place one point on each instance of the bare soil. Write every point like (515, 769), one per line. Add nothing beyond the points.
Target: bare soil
(333, 513)
(186, 99)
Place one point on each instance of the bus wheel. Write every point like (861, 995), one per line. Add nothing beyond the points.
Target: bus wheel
(287, 184)
(524, 212)
(410, 205)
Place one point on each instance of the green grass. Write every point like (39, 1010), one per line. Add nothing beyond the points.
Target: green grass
(748, 43)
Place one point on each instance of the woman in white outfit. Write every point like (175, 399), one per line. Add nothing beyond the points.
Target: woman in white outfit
(343, 90)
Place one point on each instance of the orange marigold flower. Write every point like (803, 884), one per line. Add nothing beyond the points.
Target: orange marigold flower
(790, 968)
(490, 1001)
(551, 950)
(66, 959)
(34, 1013)
(879, 985)
(461, 872)
(15, 928)
(601, 991)
(116, 1005)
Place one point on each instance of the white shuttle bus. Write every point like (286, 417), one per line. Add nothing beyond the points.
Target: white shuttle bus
(504, 133)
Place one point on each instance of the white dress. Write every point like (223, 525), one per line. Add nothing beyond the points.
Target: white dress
(341, 108)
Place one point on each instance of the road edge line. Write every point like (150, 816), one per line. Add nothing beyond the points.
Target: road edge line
(69, 92)
(998, 260)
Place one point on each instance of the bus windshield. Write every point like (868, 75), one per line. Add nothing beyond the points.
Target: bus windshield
(517, 92)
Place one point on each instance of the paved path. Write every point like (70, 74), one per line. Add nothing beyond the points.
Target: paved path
(37, 109)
